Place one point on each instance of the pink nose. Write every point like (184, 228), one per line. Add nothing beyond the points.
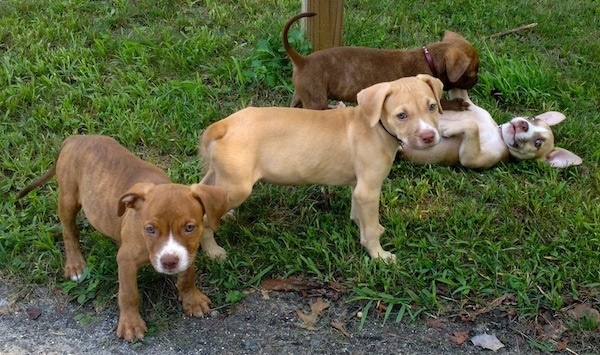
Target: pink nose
(427, 136)
(169, 262)
(521, 126)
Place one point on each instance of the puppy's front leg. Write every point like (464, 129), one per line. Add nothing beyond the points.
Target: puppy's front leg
(68, 208)
(131, 325)
(195, 303)
(365, 211)
(470, 152)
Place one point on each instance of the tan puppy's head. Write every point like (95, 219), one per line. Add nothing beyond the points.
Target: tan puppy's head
(461, 62)
(532, 139)
(172, 220)
(407, 109)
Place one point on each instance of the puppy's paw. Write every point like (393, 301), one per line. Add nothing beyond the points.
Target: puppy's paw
(379, 253)
(131, 328)
(387, 256)
(457, 104)
(216, 253)
(454, 128)
(74, 270)
(229, 216)
(195, 303)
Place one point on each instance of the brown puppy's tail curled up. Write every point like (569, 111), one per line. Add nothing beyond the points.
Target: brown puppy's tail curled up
(38, 182)
(295, 57)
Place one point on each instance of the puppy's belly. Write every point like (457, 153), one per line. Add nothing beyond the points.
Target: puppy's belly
(304, 171)
(444, 153)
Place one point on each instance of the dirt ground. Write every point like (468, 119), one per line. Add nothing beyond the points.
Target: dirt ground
(45, 322)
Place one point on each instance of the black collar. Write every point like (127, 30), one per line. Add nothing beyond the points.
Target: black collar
(390, 133)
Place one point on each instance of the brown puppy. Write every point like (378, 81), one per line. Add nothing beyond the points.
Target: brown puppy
(353, 146)
(135, 203)
(340, 73)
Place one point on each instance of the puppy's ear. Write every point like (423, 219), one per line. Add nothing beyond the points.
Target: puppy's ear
(214, 201)
(551, 117)
(561, 158)
(436, 86)
(134, 198)
(371, 99)
(457, 63)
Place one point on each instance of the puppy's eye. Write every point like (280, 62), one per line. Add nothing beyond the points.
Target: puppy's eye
(151, 231)
(189, 228)
(432, 107)
(402, 116)
(538, 143)
(531, 118)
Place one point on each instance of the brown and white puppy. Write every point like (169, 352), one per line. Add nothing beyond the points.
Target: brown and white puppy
(340, 73)
(353, 146)
(135, 203)
(473, 139)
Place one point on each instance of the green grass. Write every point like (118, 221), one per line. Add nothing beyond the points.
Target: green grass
(154, 74)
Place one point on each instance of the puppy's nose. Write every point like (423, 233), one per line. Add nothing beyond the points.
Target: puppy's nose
(427, 136)
(521, 126)
(169, 262)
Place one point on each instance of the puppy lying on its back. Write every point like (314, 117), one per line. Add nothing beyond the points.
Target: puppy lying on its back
(473, 139)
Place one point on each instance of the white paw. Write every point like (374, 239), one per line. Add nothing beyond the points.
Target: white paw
(216, 253)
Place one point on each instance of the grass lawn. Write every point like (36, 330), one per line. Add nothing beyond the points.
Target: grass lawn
(154, 74)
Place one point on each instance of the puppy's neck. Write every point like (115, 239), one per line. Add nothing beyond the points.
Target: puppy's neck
(391, 134)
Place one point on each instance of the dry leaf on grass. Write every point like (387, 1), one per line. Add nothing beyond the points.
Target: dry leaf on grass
(339, 325)
(583, 310)
(309, 321)
(289, 284)
(487, 341)
(504, 299)
(33, 313)
(459, 337)
(434, 323)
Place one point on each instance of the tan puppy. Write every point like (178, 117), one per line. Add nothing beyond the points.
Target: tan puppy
(135, 203)
(353, 146)
(340, 73)
(473, 139)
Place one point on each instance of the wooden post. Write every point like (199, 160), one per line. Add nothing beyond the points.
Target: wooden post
(325, 29)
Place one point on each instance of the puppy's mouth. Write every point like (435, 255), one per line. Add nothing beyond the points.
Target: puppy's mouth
(508, 132)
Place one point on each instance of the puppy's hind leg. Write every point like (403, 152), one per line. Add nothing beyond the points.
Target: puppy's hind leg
(236, 194)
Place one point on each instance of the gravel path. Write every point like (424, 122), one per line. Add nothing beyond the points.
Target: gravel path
(44, 322)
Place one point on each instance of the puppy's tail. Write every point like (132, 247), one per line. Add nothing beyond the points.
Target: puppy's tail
(38, 182)
(208, 139)
(295, 57)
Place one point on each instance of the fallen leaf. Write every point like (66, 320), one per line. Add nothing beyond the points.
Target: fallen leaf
(309, 321)
(381, 306)
(339, 325)
(33, 313)
(561, 345)
(434, 323)
(487, 341)
(583, 310)
(289, 284)
(548, 326)
(336, 286)
(459, 337)
(506, 298)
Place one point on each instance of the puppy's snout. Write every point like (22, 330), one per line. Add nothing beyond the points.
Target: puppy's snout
(169, 262)
(521, 126)
(428, 136)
